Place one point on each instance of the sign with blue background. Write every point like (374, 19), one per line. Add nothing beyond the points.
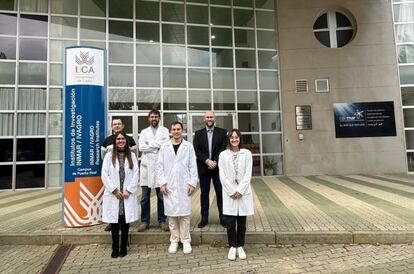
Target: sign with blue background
(84, 132)
(368, 119)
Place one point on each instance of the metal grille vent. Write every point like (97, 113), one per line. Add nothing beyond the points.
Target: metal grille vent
(301, 85)
(322, 85)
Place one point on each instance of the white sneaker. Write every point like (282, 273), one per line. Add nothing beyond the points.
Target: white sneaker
(187, 248)
(232, 254)
(241, 253)
(173, 248)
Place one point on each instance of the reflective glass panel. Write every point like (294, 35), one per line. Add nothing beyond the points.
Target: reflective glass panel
(222, 57)
(268, 80)
(247, 100)
(6, 98)
(198, 57)
(220, 16)
(408, 117)
(30, 176)
(7, 73)
(405, 54)
(271, 122)
(243, 3)
(147, 10)
(199, 100)
(268, 59)
(32, 74)
(121, 99)
(244, 38)
(197, 14)
(7, 48)
(223, 79)
(406, 75)
(172, 117)
(121, 53)
(221, 37)
(246, 79)
(266, 39)
(6, 176)
(6, 150)
(148, 77)
(174, 99)
(409, 139)
(245, 58)
(6, 120)
(148, 99)
(174, 77)
(265, 4)
(55, 99)
(173, 34)
(33, 49)
(243, 18)
(120, 30)
(273, 165)
(173, 55)
(56, 74)
(265, 19)
(8, 23)
(101, 45)
(269, 101)
(121, 9)
(93, 7)
(31, 124)
(55, 124)
(54, 178)
(63, 27)
(92, 29)
(197, 35)
(248, 122)
(172, 12)
(221, 2)
(199, 78)
(121, 76)
(224, 99)
(57, 49)
(147, 32)
(148, 54)
(404, 33)
(8, 5)
(64, 6)
(272, 143)
(31, 149)
(33, 25)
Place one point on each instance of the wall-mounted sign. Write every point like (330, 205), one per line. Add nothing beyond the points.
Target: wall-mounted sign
(303, 116)
(84, 132)
(369, 119)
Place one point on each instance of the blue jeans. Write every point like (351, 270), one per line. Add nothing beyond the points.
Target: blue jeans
(146, 208)
(205, 180)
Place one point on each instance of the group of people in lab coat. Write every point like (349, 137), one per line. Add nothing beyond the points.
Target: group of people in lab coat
(170, 166)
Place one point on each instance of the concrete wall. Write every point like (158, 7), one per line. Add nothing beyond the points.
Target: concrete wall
(365, 70)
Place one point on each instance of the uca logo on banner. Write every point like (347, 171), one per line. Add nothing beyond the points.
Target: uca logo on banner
(83, 66)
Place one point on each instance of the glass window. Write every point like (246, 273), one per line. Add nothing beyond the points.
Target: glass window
(121, 53)
(120, 30)
(175, 99)
(332, 29)
(31, 99)
(54, 178)
(268, 80)
(63, 27)
(6, 150)
(172, 12)
(56, 74)
(406, 75)
(265, 19)
(243, 3)
(64, 6)
(32, 74)
(55, 124)
(221, 37)
(6, 121)
(244, 38)
(246, 79)
(221, 2)
(93, 7)
(7, 48)
(120, 9)
(172, 117)
(247, 100)
(265, 4)
(148, 77)
(197, 14)
(248, 122)
(121, 99)
(174, 77)
(147, 10)
(6, 99)
(200, 100)
(92, 29)
(7, 73)
(224, 99)
(8, 5)
(243, 18)
(30, 176)
(323, 38)
(198, 57)
(245, 59)
(148, 99)
(197, 35)
(410, 161)
(148, 54)
(222, 57)
(268, 59)
(31, 149)
(405, 54)
(31, 124)
(269, 101)
(33, 49)
(173, 34)
(266, 39)
(34, 5)
(220, 16)
(33, 25)
(321, 22)
(121, 76)
(173, 55)
(147, 32)
(198, 1)
(101, 45)
(404, 33)
(6, 174)
(272, 143)
(270, 122)
(408, 117)
(55, 99)
(8, 23)
(273, 165)
(57, 49)
(223, 79)
(199, 78)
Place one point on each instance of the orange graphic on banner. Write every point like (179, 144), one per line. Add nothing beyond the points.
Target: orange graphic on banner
(83, 202)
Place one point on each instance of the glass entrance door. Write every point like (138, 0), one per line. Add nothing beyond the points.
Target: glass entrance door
(227, 120)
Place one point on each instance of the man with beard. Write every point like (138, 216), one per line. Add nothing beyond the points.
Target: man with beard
(150, 141)
(208, 143)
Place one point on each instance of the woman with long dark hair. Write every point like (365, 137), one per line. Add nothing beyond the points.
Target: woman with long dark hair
(235, 167)
(120, 202)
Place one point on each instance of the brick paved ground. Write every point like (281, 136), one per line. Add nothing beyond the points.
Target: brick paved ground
(207, 259)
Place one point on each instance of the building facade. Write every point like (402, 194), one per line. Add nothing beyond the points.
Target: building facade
(254, 62)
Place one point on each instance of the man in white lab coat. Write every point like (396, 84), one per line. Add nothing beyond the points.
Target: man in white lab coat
(177, 178)
(150, 141)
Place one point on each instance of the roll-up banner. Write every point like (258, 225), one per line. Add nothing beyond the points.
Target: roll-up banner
(84, 132)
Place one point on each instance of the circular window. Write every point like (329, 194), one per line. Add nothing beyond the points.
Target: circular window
(334, 29)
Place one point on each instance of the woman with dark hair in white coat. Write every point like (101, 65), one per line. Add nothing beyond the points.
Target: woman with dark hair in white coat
(120, 202)
(235, 166)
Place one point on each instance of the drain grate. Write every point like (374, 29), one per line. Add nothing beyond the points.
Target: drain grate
(58, 259)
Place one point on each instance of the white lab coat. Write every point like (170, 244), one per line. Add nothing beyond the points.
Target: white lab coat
(244, 205)
(177, 171)
(149, 145)
(110, 179)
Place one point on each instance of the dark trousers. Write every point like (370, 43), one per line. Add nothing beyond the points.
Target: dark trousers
(146, 207)
(115, 227)
(205, 180)
(235, 235)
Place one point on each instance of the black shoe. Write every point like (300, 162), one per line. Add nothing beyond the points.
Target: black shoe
(115, 254)
(202, 224)
(108, 228)
(223, 223)
(123, 253)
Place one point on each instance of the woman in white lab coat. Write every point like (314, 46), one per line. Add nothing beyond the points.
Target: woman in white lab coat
(235, 167)
(120, 177)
